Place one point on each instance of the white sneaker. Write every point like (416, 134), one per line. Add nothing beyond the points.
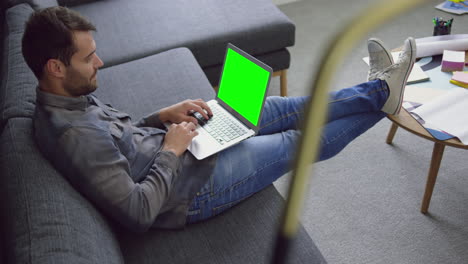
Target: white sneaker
(396, 76)
(379, 57)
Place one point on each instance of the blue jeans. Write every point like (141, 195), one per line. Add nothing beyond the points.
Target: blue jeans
(255, 163)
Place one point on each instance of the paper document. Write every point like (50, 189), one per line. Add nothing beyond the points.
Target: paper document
(448, 113)
(416, 75)
(422, 95)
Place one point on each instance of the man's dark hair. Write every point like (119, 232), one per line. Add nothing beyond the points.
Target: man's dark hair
(49, 35)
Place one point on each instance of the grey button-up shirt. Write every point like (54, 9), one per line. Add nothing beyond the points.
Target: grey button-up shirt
(117, 164)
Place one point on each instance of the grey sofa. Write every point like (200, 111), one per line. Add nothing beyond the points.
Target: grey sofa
(44, 220)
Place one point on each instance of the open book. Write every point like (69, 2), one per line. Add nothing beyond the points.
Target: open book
(454, 8)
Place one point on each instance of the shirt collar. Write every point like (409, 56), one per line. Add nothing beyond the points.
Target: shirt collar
(71, 103)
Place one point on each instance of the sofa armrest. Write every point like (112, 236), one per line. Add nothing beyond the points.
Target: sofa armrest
(18, 83)
(44, 220)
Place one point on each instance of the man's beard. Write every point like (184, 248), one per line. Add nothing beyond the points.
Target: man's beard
(76, 84)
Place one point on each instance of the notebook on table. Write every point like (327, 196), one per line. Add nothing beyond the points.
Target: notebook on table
(238, 106)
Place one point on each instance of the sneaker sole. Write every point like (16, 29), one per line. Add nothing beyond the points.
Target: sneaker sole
(380, 43)
(408, 71)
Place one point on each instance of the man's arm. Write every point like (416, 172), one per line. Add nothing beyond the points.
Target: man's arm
(99, 170)
(176, 113)
(152, 120)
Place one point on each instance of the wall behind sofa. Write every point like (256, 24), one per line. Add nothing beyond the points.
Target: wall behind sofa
(2, 19)
(2, 25)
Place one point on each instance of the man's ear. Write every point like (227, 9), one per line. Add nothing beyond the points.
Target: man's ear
(55, 68)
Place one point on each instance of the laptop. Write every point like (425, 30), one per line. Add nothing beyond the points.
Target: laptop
(238, 106)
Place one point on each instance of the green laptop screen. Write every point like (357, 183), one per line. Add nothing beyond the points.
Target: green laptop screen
(243, 85)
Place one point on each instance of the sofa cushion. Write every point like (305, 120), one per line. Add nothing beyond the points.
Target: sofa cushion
(36, 4)
(44, 219)
(243, 234)
(146, 27)
(146, 85)
(18, 83)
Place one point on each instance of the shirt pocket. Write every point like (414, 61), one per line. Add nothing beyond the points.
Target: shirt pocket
(121, 115)
(123, 138)
(109, 110)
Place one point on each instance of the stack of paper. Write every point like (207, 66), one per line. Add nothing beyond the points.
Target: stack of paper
(453, 60)
(460, 79)
(448, 113)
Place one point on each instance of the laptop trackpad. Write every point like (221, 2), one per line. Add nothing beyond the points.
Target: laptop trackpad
(204, 145)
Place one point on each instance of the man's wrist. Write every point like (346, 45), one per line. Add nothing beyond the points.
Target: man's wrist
(162, 115)
(168, 159)
(168, 149)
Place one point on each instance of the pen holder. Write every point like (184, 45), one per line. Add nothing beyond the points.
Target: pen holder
(441, 26)
(442, 30)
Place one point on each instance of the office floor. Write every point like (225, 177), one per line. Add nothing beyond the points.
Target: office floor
(363, 205)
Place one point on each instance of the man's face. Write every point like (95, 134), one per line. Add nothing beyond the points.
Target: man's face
(81, 74)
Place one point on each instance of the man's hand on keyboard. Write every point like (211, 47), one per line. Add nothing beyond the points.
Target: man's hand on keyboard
(180, 112)
(179, 137)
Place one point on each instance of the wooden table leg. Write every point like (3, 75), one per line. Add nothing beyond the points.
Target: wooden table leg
(284, 83)
(437, 153)
(391, 133)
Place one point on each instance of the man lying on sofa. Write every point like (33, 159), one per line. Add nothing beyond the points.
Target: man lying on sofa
(140, 174)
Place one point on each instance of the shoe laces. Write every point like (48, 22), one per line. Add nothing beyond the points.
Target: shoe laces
(385, 73)
(375, 61)
(372, 71)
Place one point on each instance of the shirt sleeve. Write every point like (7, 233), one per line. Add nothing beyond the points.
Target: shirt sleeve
(99, 170)
(151, 120)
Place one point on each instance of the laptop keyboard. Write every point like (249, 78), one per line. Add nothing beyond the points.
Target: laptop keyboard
(222, 126)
